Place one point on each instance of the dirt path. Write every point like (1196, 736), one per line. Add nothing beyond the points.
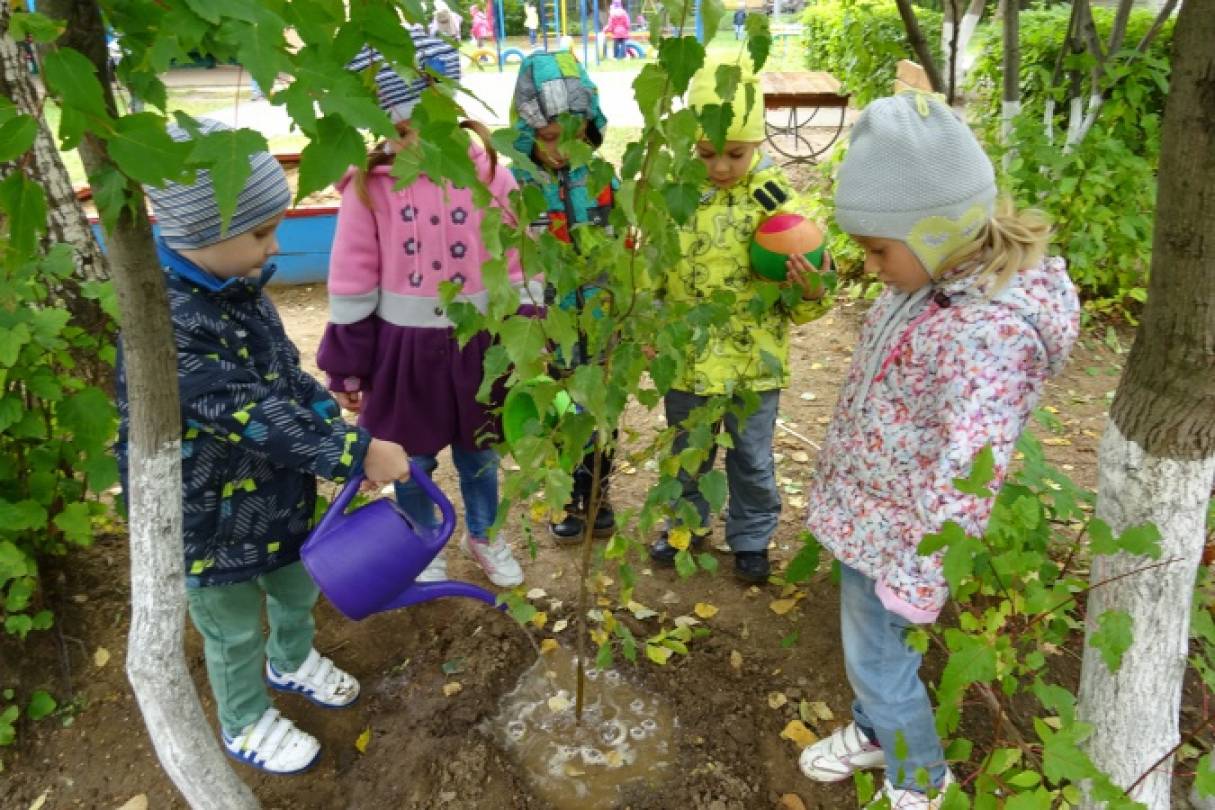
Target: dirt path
(427, 750)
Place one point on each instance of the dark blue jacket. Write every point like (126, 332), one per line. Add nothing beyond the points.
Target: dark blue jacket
(257, 430)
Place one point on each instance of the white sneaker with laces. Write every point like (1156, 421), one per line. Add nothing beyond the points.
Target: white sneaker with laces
(274, 745)
(839, 756)
(317, 679)
(436, 571)
(495, 558)
(905, 799)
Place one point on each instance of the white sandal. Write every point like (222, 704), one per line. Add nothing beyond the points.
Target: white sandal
(274, 745)
(317, 679)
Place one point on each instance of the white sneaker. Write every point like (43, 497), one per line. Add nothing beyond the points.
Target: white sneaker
(839, 756)
(273, 744)
(436, 571)
(495, 559)
(905, 799)
(317, 679)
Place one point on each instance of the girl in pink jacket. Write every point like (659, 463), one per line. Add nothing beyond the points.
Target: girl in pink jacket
(390, 351)
(953, 357)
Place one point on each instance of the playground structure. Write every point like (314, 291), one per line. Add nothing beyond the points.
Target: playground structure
(555, 18)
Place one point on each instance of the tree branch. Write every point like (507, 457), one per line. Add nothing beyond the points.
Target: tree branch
(918, 44)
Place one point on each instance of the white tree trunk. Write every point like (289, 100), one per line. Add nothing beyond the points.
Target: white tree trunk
(1141, 700)
(156, 662)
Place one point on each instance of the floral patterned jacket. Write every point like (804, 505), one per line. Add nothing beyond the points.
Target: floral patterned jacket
(936, 377)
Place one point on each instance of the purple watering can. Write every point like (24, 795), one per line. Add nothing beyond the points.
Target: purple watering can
(367, 561)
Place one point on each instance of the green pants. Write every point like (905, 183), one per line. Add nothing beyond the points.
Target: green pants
(229, 617)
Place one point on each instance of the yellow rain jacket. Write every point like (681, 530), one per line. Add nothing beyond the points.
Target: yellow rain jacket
(716, 244)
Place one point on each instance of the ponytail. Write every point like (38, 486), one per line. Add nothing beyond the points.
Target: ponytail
(1012, 240)
(384, 154)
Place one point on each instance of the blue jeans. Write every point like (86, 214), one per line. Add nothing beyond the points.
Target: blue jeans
(884, 674)
(619, 48)
(750, 470)
(531, 36)
(478, 471)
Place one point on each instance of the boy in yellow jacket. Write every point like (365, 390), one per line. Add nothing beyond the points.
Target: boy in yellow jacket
(750, 352)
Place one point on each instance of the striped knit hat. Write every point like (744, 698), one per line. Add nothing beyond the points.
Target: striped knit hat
(188, 215)
(398, 96)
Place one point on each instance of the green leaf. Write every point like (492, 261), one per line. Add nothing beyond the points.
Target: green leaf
(789, 640)
(1141, 540)
(713, 486)
(524, 340)
(22, 515)
(41, 705)
(144, 151)
(75, 523)
(971, 660)
(681, 199)
(336, 147)
(89, 415)
(39, 27)
(19, 593)
(71, 76)
(25, 203)
(13, 561)
(650, 88)
(8, 732)
(681, 57)
(715, 120)
(685, 564)
(707, 562)
(43, 620)
(18, 624)
(225, 155)
(16, 137)
(1204, 777)
(1113, 637)
(806, 562)
(982, 472)
(658, 654)
(260, 48)
(759, 39)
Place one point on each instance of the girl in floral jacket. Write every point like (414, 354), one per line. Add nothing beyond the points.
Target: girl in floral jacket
(953, 358)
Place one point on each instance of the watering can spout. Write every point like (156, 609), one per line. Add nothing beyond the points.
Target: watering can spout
(419, 592)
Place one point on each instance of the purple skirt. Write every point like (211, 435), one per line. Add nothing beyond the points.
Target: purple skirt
(420, 387)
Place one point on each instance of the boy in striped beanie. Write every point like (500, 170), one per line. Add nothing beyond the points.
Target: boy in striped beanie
(257, 431)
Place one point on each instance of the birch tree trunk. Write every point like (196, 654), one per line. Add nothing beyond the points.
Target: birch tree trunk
(66, 223)
(964, 31)
(1011, 106)
(1157, 458)
(156, 663)
(919, 45)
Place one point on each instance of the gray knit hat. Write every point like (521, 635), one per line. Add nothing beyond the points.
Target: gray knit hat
(188, 215)
(914, 172)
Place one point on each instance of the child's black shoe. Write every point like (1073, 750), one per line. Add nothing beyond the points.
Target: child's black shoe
(569, 530)
(664, 553)
(751, 566)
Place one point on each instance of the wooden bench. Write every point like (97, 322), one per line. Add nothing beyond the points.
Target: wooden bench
(804, 94)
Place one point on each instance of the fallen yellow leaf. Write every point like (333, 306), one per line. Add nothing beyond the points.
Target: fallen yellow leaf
(640, 611)
(451, 688)
(558, 703)
(539, 619)
(101, 657)
(777, 699)
(705, 610)
(679, 538)
(821, 710)
(362, 740)
(797, 732)
(537, 593)
(538, 513)
(736, 659)
(560, 625)
(548, 645)
(1057, 441)
(782, 606)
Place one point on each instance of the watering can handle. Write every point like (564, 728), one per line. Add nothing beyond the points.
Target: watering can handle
(342, 501)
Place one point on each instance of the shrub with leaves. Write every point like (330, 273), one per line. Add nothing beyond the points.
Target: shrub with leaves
(1102, 194)
(860, 42)
(55, 428)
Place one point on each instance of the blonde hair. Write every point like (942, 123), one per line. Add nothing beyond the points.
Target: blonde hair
(383, 156)
(1012, 240)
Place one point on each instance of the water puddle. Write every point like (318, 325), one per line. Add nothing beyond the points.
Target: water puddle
(626, 734)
